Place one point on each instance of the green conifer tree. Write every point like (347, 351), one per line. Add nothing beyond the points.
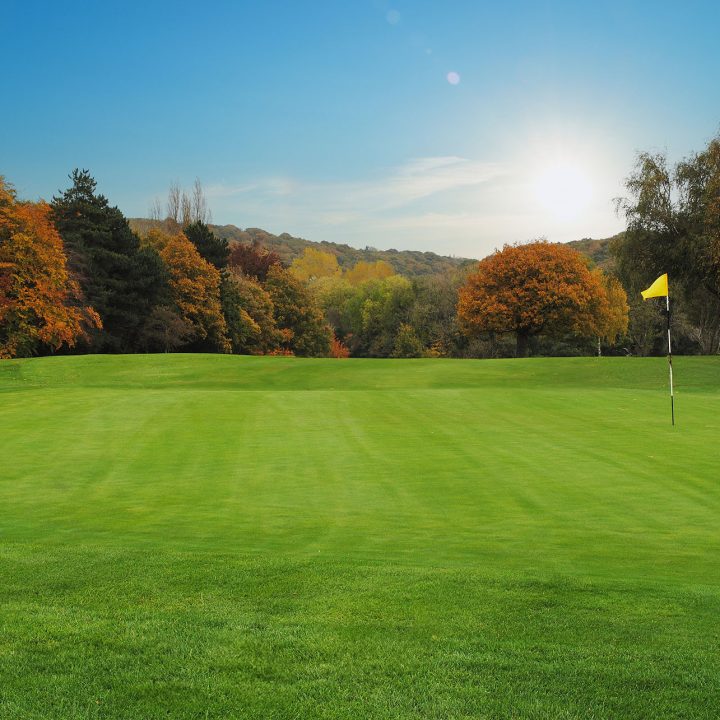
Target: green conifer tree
(212, 248)
(121, 280)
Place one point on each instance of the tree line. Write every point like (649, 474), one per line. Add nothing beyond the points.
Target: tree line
(673, 226)
(74, 277)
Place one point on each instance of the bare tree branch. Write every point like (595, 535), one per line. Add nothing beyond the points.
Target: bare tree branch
(173, 203)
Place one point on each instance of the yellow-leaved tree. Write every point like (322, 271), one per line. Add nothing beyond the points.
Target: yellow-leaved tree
(363, 271)
(314, 264)
(613, 322)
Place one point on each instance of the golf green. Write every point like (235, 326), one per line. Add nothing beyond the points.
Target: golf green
(206, 536)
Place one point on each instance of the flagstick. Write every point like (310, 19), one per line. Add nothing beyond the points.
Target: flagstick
(672, 399)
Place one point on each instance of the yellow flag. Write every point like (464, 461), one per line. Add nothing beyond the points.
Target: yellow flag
(658, 289)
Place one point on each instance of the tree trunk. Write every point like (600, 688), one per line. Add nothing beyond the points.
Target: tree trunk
(522, 343)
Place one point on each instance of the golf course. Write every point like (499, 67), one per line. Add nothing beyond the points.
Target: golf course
(215, 536)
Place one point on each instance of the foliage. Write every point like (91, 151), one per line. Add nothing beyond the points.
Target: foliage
(597, 250)
(385, 308)
(249, 312)
(673, 217)
(297, 314)
(314, 264)
(369, 316)
(165, 331)
(363, 271)
(334, 294)
(613, 320)
(212, 248)
(407, 343)
(411, 263)
(39, 302)
(195, 289)
(530, 290)
(253, 260)
(118, 278)
(433, 313)
(338, 349)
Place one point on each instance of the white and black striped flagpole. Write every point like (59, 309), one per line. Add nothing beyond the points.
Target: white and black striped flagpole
(672, 399)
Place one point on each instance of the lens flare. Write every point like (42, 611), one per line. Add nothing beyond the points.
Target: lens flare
(453, 78)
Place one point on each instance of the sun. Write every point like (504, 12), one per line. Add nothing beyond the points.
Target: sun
(563, 189)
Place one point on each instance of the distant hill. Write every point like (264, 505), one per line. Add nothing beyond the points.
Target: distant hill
(410, 263)
(597, 250)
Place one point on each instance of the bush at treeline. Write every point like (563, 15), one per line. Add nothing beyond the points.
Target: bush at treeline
(74, 277)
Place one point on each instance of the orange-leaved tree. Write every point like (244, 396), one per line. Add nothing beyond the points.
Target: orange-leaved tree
(195, 289)
(39, 302)
(532, 289)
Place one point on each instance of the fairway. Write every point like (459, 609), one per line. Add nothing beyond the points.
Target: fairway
(208, 536)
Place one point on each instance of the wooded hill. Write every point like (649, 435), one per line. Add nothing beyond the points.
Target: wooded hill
(411, 263)
(597, 250)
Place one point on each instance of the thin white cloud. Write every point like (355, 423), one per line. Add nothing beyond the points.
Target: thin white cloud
(417, 179)
(448, 204)
(267, 186)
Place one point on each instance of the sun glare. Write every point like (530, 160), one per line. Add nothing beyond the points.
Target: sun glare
(563, 189)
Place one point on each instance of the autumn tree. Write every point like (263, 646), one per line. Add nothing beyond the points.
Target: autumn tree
(314, 264)
(532, 289)
(39, 302)
(253, 260)
(249, 313)
(613, 318)
(195, 289)
(363, 271)
(338, 349)
(297, 314)
(118, 278)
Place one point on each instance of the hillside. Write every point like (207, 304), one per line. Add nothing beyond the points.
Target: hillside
(410, 263)
(405, 262)
(597, 250)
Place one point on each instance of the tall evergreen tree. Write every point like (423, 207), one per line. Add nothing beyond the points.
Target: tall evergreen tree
(121, 280)
(212, 248)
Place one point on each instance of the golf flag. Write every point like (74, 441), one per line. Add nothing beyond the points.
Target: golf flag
(658, 289)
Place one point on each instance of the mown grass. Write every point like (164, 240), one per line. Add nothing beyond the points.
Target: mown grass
(208, 536)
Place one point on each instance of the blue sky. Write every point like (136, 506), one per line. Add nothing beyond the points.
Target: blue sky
(451, 126)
